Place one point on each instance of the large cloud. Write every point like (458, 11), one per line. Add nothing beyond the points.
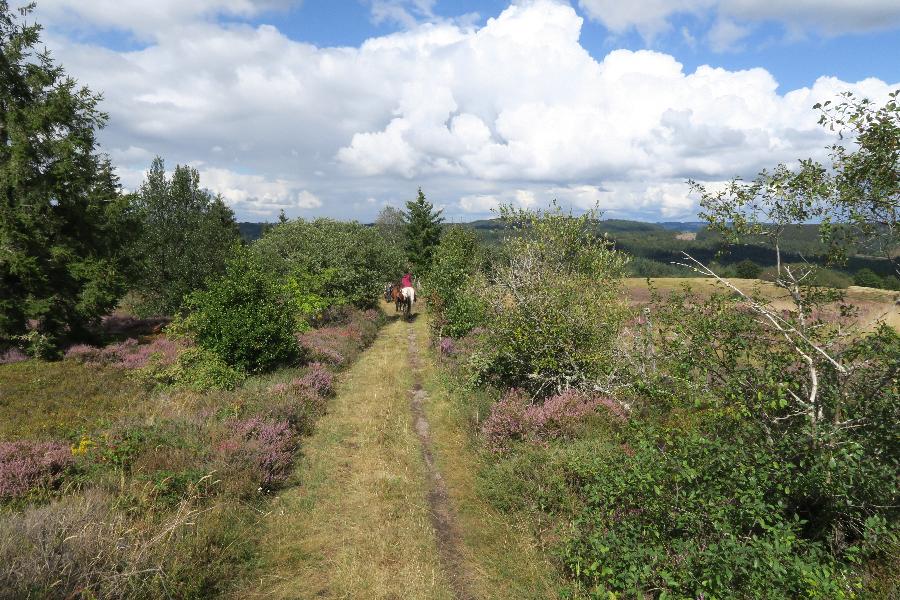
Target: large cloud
(514, 110)
(831, 17)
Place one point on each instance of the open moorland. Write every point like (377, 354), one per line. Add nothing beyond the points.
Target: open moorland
(542, 405)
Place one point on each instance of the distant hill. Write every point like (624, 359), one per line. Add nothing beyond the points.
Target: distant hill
(252, 231)
(655, 246)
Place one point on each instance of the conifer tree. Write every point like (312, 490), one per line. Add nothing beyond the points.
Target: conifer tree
(61, 211)
(422, 232)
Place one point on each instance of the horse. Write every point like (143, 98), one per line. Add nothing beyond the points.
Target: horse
(401, 300)
(397, 296)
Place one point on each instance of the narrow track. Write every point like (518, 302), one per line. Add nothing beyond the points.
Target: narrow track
(447, 534)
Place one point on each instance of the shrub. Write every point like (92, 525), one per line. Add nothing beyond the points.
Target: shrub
(12, 355)
(266, 444)
(455, 306)
(867, 278)
(199, 370)
(693, 515)
(747, 269)
(247, 318)
(553, 304)
(25, 466)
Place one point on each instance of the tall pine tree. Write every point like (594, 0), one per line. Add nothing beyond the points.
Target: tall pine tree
(422, 231)
(61, 214)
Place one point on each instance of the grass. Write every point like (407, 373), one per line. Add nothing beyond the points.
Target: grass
(45, 400)
(874, 305)
(166, 489)
(357, 526)
(505, 559)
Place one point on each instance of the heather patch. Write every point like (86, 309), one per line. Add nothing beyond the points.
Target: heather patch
(129, 354)
(25, 466)
(516, 417)
(339, 343)
(447, 347)
(318, 378)
(12, 355)
(266, 444)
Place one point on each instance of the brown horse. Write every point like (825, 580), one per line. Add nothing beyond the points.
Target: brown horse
(401, 302)
(397, 296)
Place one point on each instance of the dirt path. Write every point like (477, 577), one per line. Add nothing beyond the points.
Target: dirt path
(385, 503)
(358, 524)
(443, 518)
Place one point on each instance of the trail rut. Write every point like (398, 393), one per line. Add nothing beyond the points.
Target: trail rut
(447, 534)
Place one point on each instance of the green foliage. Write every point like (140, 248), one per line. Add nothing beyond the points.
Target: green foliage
(866, 182)
(453, 297)
(553, 303)
(688, 515)
(63, 223)
(307, 293)
(867, 278)
(422, 232)
(186, 237)
(747, 269)
(343, 263)
(247, 317)
(200, 370)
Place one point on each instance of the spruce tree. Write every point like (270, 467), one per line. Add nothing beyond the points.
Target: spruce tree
(62, 217)
(422, 232)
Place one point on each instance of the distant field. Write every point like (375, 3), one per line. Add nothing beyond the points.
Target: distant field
(873, 304)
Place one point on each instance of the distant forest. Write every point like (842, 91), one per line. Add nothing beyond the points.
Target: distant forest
(656, 246)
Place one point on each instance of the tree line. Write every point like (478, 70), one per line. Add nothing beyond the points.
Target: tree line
(73, 245)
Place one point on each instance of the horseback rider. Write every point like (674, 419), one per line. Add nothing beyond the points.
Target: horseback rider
(407, 287)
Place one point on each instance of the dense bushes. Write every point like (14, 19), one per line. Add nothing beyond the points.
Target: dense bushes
(689, 447)
(693, 514)
(247, 317)
(553, 304)
(344, 263)
(452, 294)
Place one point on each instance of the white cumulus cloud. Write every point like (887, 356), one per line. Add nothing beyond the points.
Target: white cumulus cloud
(516, 110)
(830, 17)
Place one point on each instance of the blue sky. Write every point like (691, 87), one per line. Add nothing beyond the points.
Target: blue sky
(341, 107)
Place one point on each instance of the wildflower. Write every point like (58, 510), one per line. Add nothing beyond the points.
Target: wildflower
(83, 446)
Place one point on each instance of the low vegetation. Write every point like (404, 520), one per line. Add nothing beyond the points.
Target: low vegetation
(738, 440)
(718, 444)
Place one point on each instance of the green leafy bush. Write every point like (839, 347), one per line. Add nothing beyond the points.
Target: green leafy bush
(247, 317)
(553, 304)
(691, 515)
(747, 269)
(452, 288)
(344, 263)
(201, 370)
(867, 278)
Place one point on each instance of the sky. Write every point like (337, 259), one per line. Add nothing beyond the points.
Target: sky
(339, 108)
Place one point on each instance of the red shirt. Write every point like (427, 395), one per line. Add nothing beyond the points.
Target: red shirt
(407, 280)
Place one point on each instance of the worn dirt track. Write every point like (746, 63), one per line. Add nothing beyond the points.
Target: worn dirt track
(447, 535)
